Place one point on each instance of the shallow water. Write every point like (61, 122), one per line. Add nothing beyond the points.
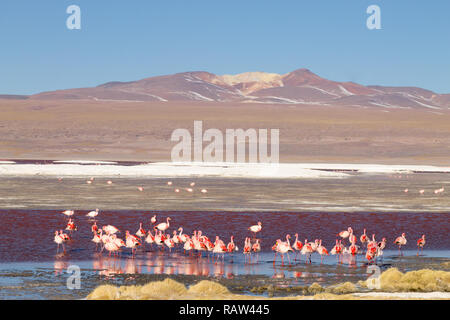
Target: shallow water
(314, 208)
(48, 280)
(30, 267)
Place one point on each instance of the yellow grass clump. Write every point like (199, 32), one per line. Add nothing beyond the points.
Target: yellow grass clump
(392, 280)
(424, 280)
(343, 288)
(208, 288)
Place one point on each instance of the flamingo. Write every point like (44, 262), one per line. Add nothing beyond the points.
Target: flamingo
(363, 237)
(247, 248)
(163, 226)
(298, 245)
(380, 247)
(231, 246)
(131, 241)
(97, 239)
(337, 249)
(182, 236)
(109, 229)
(219, 248)
(94, 228)
(284, 248)
(307, 249)
(153, 219)
(68, 212)
(92, 214)
(111, 246)
(169, 243)
(345, 233)
(420, 244)
(256, 247)
(71, 226)
(58, 239)
(321, 250)
(141, 232)
(175, 237)
(188, 245)
(353, 249)
(256, 228)
(400, 241)
(150, 238)
(117, 241)
(370, 255)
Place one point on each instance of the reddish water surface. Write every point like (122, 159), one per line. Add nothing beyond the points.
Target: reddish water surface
(27, 235)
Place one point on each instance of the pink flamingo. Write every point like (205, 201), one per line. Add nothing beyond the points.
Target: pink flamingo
(256, 228)
(163, 226)
(307, 250)
(298, 245)
(322, 251)
(400, 241)
(364, 238)
(420, 244)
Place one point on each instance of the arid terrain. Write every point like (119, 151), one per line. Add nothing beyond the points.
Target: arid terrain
(140, 131)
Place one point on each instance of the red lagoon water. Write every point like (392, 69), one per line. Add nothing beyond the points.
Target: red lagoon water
(27, 235)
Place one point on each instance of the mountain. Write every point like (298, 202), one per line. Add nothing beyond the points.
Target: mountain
(297, 87)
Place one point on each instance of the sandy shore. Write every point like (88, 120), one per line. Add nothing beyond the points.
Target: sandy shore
(112, 131)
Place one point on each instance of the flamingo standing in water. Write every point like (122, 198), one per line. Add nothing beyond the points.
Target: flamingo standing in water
(68, 213)
(150, 239)
(298, 245)
(284, 248)
(131, 242)
(169, 243)
(219, 248)
(71, 226)
(420, 244)
(141, 232)
(92, 214)
(256, 248)
(183, 237)
(363, 238)
(307, 250)
(247, 248)
(109, 229)
(97, 238)
(188, 245)
(400, 241)
(322, 251)
(94, 228)
(256, 228)
(380, 247)
(231, 247)
(337, 250)
(353, 250)
(59, 240)
(163, 226)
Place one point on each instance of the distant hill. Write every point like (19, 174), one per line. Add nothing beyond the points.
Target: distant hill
(297, 87)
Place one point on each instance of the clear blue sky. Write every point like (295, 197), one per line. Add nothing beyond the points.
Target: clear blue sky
(131, 40)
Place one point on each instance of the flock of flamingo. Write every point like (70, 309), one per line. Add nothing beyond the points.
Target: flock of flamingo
(197, 243)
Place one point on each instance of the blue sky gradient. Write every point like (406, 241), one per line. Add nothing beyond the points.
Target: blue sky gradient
(131, 40)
